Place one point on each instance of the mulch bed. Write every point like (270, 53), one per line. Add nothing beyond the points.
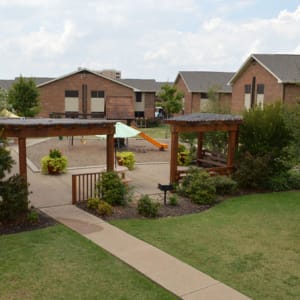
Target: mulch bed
(184, 207)
(25, 225)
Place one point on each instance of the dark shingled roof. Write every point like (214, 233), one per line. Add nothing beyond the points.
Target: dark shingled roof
(143, 85)
(205, 118)
(284, 67)
(201, 81)
(52, 122)
(6, 83)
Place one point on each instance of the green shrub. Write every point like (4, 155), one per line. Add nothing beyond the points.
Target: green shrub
(6, 161)
(198, 186)
(55, 153)
(93, 203)
(294, 179)
(104, 209)
(181, 148)
(224, 185)
(279, 182)
(14, 203)
(33, 217)
(126, 159)
(147, 208)
(111, 189)
(54, 163)
(263, 154)
(173, 200)
(184, 158)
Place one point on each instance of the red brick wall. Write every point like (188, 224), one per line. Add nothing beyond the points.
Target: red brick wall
(225, 101)
(180, 86)
(272, 93)
(291, 94)
(149, 105)
(53, 95)
(195, 102)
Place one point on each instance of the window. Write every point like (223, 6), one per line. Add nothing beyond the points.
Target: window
(204, 95)
(139, 114)
(71, 93)
(260, 89)
(138, 96)
(97, 94)
(247, 88)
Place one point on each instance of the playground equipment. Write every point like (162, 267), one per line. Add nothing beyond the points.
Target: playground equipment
(160, 146)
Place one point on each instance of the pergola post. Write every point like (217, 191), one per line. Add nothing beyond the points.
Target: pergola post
(22, 157)
(200, 145)
(232, 142)
(173, 160)
(110, 153)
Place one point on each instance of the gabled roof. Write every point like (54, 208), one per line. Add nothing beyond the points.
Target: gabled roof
(284, 67)
(202, 81)
(141, 85)
(6, 83)
(84, 70)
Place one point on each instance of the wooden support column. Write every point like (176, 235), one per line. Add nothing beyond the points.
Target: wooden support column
(200, 145)
(232, 141)
(110, 153)
(22, 157)
(173, 160)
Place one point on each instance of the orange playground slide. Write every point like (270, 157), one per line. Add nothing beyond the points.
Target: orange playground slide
(151, 140)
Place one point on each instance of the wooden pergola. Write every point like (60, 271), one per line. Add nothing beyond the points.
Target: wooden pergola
(31, 128)
(201, 123)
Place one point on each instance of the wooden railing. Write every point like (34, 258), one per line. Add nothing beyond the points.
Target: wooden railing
(84, 186)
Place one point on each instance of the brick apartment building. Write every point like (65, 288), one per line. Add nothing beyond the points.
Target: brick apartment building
(266, 79)
(86, 93)
(196, 84)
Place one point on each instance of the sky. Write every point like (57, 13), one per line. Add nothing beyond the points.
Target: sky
(142, 38)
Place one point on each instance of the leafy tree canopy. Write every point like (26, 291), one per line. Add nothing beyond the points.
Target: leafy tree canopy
(170, 99)
(24, 97)
(3, 99)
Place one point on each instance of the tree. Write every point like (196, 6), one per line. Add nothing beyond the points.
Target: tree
(3, 99)
(170, 99)
(24, 97)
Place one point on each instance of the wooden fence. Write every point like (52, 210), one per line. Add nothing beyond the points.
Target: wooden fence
(84, 186)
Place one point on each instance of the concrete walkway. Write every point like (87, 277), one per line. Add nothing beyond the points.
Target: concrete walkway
(52, 194)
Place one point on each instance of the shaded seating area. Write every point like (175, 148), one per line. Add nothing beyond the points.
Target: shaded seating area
(201, 123)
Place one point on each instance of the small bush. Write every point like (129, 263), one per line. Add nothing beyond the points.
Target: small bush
(294, 179)
(126, 159)
(147, 208)
(184, 158)
(33, 217)
(279, 182)
(54, 163)
(173, 200)
(198, 186)
(112, 190)
(224, 185)
(104, 209)
(93, 203)
(14, 203)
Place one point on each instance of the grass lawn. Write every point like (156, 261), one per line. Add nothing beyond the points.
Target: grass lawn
(160, 132)
(251, 243)
(57, 263)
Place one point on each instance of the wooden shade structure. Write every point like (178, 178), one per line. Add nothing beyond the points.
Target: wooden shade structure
(201, 123)
(30, 128)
